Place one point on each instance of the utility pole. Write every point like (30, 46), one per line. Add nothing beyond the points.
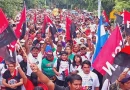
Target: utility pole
(45, 2)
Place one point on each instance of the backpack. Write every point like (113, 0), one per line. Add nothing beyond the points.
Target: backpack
(58, 64)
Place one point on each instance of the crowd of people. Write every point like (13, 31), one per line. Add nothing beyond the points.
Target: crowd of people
(46, 63)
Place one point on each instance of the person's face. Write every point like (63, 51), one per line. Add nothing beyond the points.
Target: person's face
(77, 59)
(105, 28)
(76, 48)
(86, 68)
(94, 39)
(47, 41)
(88, 41)
(68, 50)
(50, 57)
(78, 35)
(38, 36)
(11, 67)
(83, 50)
(127, 85)
(59, 48)
(76, 85)
(30, 42)
(35, 52)
(64, 57)
(82, 40)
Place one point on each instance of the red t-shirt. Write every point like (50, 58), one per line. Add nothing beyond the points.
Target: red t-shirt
(29, 85)
(88, 31)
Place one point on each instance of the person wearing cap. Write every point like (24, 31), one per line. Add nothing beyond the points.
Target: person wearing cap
(59, 48)
(47, 65)
(62, 68)
(35, 56)
(84, 53)
(122, 83)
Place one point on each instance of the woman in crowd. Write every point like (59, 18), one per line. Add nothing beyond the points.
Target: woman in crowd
(68, 49)
(76, 65)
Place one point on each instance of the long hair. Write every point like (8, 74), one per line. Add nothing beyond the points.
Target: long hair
(34, 79)
(74, 62)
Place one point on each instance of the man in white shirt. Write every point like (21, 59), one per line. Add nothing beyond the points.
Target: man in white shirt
(90, 80)
(85, 55)
(35, 56)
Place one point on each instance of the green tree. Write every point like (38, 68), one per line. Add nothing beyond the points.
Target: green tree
(32, 3)
(10, 7)
(108, 5)
(121, 5)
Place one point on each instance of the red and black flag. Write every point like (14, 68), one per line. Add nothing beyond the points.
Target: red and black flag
(123, 57)
(35, 17)
(70, 29)
(47, 22)
(119, 19)
(104, 14)
(8, 53)
(53, 31)
(127, 22)
(121, 61)
(48, 26)
(6, 33)
(21, 26)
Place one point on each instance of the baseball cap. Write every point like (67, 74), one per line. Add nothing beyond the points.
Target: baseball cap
(127, 77)
(49, 53)
(63, 52)
(82, 46)
(35, 47)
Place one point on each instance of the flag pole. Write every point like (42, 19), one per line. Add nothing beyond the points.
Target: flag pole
(23, 51)
(82, 32)
(99, 8)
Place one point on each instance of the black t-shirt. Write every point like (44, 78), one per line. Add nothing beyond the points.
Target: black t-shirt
(12, 79)
(61, 88)
(23, 65)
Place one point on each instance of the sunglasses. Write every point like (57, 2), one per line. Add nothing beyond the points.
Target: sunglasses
(83, 48)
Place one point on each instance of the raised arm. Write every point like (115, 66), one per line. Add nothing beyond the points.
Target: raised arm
(22, 74)
(43, 78)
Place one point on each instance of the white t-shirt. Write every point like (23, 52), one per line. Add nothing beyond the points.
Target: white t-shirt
(89, 81)
(63, 66)
(72, 68)
(37, 60)
(86, 57)
(19, 58)
(106, 85)
(56, 54)
(2, 70)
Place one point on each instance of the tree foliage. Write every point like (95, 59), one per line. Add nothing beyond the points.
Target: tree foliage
(10, 7)
(121, 5)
